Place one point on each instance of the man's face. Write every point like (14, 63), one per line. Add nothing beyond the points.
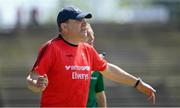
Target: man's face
(77, 28)
(90, 35)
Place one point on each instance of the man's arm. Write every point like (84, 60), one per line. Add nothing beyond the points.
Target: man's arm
(36, 82)
(101, 99)
(116, 74)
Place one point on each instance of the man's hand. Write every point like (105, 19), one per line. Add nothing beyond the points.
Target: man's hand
(42, 82)
(37, 83)
(148, 90)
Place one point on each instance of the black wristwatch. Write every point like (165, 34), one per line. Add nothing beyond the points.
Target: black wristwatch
(137, 82)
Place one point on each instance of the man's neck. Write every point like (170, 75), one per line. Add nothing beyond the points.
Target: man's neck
(71, 39)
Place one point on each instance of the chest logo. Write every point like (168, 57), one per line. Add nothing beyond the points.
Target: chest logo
(75, 67)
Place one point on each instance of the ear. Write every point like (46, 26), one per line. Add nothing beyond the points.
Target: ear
(64, 27)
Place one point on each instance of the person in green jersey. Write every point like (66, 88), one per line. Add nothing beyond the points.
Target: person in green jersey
(97, 97)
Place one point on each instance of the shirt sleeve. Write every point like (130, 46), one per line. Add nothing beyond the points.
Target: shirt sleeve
(98, 63)
(100, 84)
(44, 60)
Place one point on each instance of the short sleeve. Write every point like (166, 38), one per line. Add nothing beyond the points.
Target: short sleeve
(100, 84)
(98, 63)
(44, 59)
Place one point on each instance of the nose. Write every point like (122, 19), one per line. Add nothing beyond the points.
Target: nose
(83, 22)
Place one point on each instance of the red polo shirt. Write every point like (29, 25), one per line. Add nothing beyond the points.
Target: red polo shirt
(68, 68)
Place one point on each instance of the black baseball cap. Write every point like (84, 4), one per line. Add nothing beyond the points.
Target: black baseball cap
(71, 12)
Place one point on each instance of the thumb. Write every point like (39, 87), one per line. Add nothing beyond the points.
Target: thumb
(45, 76)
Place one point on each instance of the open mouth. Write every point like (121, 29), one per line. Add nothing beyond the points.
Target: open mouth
(84, 29)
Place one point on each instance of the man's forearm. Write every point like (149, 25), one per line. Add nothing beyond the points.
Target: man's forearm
(116, 74)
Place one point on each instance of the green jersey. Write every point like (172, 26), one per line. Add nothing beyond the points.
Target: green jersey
(96, 85)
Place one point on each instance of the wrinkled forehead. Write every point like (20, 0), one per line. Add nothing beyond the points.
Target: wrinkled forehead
(77, 20)
(80, 21)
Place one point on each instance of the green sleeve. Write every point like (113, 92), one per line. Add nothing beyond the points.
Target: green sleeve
(100, 84)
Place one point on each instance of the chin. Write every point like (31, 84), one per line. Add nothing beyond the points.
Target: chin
(84, 35)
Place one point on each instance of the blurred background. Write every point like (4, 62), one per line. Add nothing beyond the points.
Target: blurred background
(140, 36)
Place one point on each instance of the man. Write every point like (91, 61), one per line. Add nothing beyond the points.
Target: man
(97, 97)
(64, 65)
